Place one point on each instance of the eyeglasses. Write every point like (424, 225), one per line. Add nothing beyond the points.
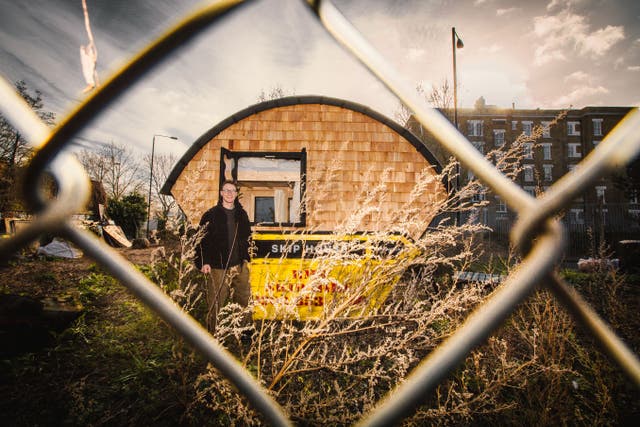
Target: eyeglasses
(229, 191)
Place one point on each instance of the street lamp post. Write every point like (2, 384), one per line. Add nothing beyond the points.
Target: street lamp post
(153, 147)
(456, 43)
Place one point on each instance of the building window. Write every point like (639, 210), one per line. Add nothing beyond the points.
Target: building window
(597, 127)
(633, 197)
(635, 215)
(501, 206)
(514, 125)
(527, 150)
(604, 216)
(264, 210)
(479, 146)
(272, 184)
(571, 168)
(595, 143)
(530, 189)
(600, 194)
(546, 129)
(480, 195)
(576, 216)
(527, 128)
(475, 127)
(574, 150)
(498, 137)
(548, 172)
(573, 128)
(546, 151)
(528, 173)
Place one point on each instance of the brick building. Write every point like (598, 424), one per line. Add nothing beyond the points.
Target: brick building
(553, 142)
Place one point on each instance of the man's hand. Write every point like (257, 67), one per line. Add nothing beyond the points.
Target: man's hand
(206, 269)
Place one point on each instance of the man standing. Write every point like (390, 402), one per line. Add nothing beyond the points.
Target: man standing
(224, 253)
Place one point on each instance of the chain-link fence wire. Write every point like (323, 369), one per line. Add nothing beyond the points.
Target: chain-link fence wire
(538, 235)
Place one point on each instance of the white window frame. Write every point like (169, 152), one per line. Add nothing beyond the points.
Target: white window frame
(604, 216)
(527, 150)
(546, 129)
(633, 198)
(573, 150)
(514, 125)
(597, 127)
(498, 137)
(475, 127)
(546, 151)
(531, 189)
(601, 191)
(576, 216)
(548, 172)
(501, 205)
(528, 173)
(480, 196)
(527, 128)
(573, 128)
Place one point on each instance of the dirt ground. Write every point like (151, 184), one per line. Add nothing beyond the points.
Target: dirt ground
(39, 277)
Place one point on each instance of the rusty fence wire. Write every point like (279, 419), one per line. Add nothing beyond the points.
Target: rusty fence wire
(537, 233)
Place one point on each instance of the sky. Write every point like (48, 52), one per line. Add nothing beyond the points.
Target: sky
(522, 53)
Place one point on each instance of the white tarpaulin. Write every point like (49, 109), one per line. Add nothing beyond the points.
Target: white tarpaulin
(60, 249)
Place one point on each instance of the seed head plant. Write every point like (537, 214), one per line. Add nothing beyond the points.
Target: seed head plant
(388, 301)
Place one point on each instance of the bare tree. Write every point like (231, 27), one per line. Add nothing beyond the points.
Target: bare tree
(274, 93)
(14, 150)
(440, 97)
(117, 167)
(161, 205)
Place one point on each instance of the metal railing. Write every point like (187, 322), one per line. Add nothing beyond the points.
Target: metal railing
(538, 235)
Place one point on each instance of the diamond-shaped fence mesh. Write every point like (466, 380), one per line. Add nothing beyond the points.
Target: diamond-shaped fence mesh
(537, 234)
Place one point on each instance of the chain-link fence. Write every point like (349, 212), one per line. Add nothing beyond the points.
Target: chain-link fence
(538, 235)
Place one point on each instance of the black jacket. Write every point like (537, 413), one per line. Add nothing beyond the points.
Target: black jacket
(213, 248)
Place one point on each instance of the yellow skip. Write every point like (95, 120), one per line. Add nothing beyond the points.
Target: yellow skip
(311, 276)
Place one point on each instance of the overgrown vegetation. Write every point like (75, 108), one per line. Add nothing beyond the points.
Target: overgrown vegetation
(15, 152)
(118, 364)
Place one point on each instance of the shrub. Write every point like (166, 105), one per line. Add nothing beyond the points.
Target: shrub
(129, 213)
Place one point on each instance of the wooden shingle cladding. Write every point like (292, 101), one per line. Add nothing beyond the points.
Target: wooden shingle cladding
(349, 151)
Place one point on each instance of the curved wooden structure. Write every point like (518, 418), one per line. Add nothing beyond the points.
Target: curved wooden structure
(308, 163)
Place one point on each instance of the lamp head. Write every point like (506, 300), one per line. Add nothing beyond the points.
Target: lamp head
(459, 44)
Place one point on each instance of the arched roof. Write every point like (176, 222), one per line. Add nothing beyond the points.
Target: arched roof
(288, 101)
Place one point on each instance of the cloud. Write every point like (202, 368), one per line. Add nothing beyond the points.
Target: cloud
(565, 32)
(600, 41)
(502, 12)
(415, 54)
(577, 77)
(562, 4)
(494, 48)
(579, 94)
(633, 68)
